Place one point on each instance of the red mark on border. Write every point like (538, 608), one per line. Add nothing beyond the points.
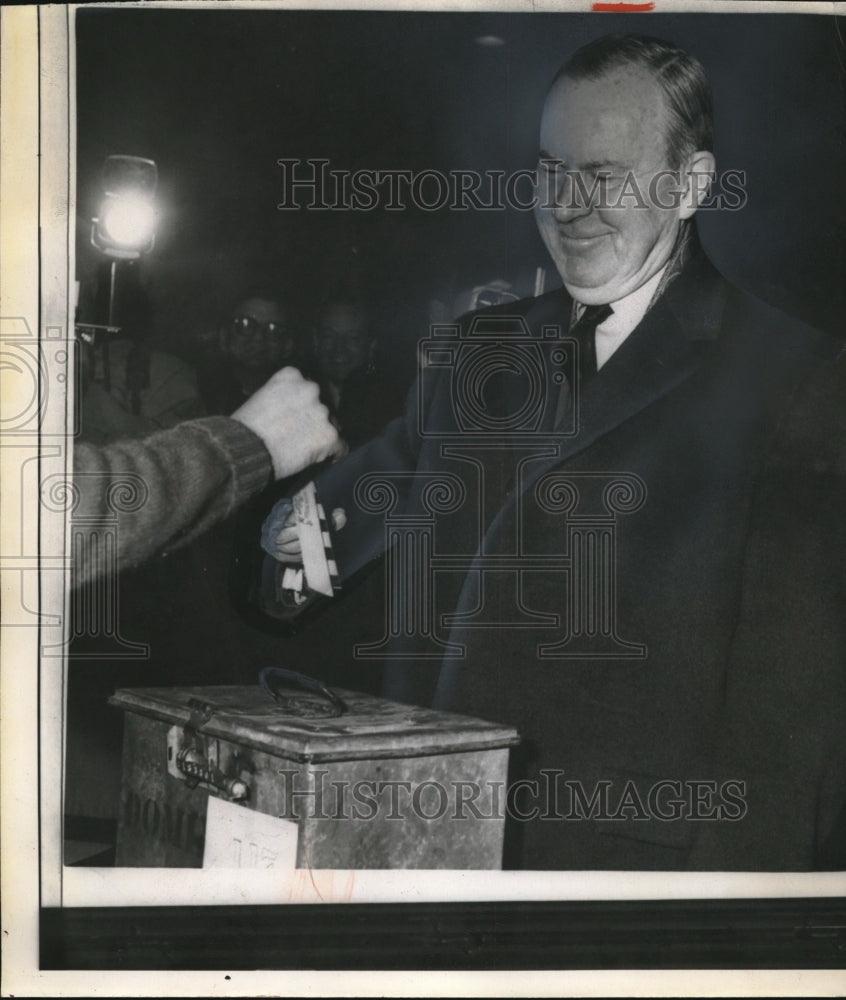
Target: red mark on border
(622, 8)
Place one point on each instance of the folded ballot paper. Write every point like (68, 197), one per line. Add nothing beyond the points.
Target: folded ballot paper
(316, 577)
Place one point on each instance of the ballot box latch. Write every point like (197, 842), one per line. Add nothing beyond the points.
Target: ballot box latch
(195, 758)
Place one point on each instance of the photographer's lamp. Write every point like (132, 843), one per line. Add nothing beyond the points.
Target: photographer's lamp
(123, 229)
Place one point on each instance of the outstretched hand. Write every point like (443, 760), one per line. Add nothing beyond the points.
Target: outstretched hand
(286, 413)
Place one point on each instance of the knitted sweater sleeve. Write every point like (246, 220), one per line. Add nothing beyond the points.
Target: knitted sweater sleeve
(161, 492)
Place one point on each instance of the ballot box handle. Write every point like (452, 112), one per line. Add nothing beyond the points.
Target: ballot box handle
(271, 677)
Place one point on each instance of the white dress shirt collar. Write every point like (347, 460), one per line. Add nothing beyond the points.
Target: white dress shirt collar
(628, 312)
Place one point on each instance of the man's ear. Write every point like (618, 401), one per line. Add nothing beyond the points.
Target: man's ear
(697, 177)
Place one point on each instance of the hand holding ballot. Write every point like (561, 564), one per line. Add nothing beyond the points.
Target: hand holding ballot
(280, 536)
(296, 534)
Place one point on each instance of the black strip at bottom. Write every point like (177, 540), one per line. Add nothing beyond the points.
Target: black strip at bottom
(666, 934)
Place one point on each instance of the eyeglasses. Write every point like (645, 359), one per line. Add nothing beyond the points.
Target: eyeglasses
(249, 324)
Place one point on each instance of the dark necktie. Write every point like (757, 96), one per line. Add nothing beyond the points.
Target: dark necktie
(584, 330)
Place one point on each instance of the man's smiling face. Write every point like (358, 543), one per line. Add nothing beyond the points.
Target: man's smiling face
(614, 126)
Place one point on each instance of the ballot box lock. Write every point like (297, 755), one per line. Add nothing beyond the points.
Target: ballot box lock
(196, 768)
(196, 761)
(196, 757)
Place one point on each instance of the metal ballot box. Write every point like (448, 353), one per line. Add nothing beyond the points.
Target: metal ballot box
(381, 785)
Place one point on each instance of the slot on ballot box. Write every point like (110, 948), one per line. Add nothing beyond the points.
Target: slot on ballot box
(356, 782)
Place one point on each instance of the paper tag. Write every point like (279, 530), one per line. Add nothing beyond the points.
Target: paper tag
(237, 837)
(292, 579)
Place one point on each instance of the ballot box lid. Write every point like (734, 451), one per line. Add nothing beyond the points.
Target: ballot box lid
(369, 728)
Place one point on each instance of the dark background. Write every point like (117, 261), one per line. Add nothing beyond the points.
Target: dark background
(216, 97)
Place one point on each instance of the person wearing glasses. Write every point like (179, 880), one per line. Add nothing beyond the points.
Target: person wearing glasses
(253, 343)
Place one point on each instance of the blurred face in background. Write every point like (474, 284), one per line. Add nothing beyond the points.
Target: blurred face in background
(257, 335)
(342, 342)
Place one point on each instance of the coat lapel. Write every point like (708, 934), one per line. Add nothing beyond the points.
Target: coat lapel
(664, 350)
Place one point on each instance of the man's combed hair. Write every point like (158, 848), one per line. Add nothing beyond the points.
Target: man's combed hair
(679, 74)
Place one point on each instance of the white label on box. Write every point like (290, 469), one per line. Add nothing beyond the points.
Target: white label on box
(237, 837)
